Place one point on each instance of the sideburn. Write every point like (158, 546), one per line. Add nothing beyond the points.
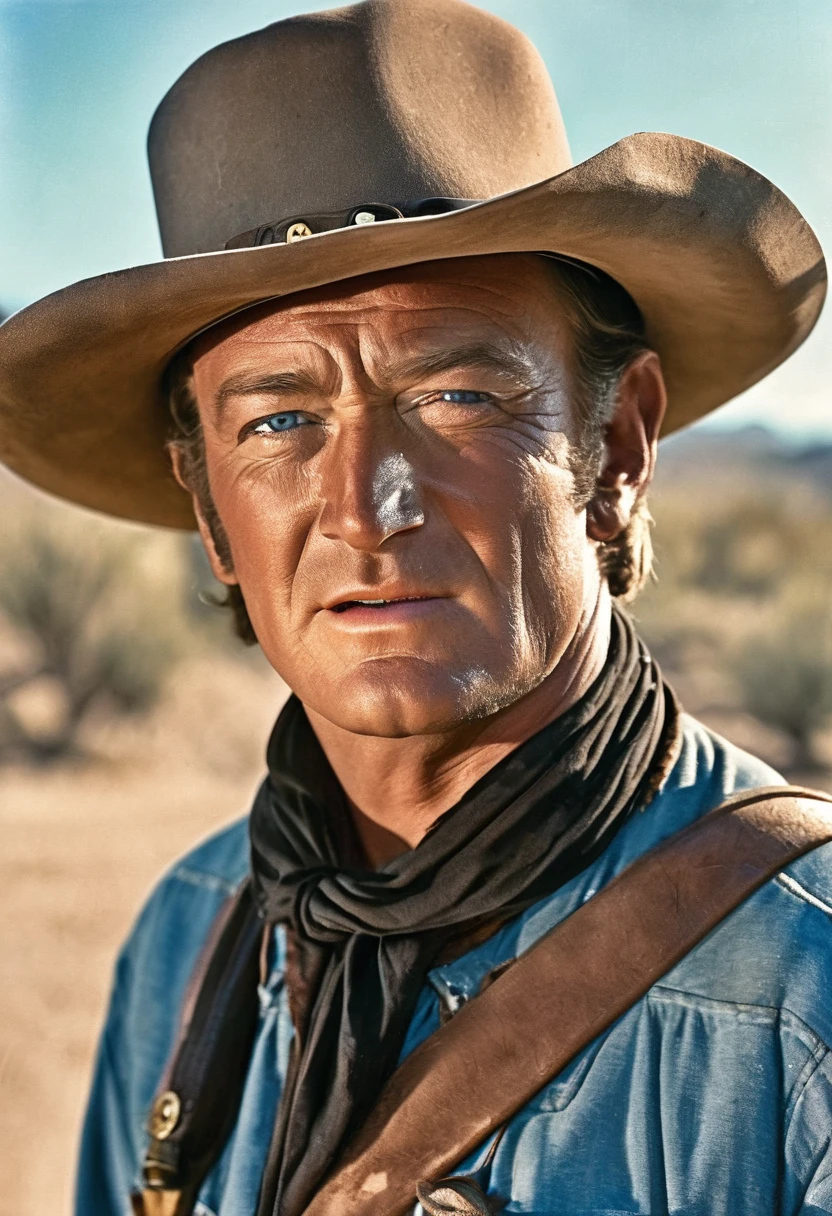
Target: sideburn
(232, 595)
(192, 449)
(626, 561)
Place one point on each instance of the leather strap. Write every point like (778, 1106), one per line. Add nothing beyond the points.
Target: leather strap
(478, 1070)
(192, 1114)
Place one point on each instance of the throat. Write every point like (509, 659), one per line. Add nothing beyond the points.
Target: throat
(379, 843)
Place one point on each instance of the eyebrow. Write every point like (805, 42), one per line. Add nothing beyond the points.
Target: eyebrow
(273, 384)
(477, 356)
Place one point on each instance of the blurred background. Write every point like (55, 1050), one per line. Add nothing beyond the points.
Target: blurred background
(131, 723)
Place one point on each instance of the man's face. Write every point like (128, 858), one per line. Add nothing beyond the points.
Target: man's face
(390, 462)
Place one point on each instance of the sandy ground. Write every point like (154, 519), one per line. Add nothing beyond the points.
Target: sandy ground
(79, 850)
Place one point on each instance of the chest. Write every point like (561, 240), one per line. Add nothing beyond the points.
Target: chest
(679, 1108)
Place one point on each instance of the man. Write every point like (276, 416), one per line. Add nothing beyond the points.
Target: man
(416, 433)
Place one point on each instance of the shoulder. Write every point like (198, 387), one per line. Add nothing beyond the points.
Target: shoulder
(772, 953)
(181, 908)
(151, 976)
(158, 957)
(775, 951)
(708, 770)
(219, 863)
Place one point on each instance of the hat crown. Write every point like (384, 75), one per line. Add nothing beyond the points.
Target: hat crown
(383, 102)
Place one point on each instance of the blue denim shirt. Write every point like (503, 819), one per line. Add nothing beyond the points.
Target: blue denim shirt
(711, 1097)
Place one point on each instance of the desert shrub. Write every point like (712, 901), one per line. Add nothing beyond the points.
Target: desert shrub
(95, 610)
(784, 673)
(739, 613)
(747, 545)
(746, 550)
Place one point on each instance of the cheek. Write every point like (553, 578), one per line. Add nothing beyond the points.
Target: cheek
(266, 512)
(555, 536)
(555, 583)
(554, 564)
(535, 550)
(520, 518)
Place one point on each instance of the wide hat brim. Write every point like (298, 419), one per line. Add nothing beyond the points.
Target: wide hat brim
(728, 275)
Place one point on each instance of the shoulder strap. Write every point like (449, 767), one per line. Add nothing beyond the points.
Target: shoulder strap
(491, 1058)
(199, 1095)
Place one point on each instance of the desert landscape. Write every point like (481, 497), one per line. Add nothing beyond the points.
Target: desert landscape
(132, 725)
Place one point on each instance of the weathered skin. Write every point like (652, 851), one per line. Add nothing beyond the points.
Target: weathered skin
(427, 419)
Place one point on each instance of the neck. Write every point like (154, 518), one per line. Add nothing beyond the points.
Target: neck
(397, 788)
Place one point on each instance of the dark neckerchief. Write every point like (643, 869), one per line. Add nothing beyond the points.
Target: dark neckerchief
(362, 940)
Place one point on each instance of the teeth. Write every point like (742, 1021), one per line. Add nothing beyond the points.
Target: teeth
(342, 607)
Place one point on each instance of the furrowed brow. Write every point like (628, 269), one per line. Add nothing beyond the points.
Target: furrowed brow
(479, 356)
(269, 384)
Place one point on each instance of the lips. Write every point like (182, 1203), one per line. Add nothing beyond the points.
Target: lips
(379, 595)
(381, 608)
(379, 604)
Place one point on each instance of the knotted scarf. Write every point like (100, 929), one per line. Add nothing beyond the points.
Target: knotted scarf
(362, 940)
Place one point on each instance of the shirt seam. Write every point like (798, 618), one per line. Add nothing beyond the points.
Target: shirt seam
(205, 879)
(810, 1076)
(695, 998)
(818, 1048)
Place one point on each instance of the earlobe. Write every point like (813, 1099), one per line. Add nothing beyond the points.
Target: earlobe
(608, 512)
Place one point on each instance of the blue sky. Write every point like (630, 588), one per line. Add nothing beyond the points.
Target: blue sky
(79, 81)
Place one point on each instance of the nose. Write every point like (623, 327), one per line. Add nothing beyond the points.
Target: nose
(370, 492)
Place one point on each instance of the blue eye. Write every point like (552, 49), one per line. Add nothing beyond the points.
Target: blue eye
(280, 422)
(463, 397)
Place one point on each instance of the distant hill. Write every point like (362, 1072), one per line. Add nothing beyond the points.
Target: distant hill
(705, 457)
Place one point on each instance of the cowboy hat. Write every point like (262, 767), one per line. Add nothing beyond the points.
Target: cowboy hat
(363, 139)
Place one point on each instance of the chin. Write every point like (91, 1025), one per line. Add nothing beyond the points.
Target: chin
(397, 697)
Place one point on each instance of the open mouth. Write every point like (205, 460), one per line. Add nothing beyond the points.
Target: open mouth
(347, 605)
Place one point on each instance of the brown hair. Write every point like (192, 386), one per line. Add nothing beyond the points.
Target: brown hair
(609, 333)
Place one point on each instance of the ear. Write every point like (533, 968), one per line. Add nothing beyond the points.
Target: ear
(222, 572)
(630, 441)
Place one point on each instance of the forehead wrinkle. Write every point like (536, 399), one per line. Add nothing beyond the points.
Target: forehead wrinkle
(474, 355)
(458, 337)
(453, 301)
(410, 292)
(322, 376)
(405, 296)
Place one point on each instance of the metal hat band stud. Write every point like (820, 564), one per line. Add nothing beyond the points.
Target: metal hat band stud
(296, 228)
(296, 232)
(300, 229)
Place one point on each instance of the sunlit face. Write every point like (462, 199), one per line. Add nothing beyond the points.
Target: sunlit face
(390, 461)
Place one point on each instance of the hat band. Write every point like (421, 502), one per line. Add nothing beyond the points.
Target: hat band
(296, 227)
